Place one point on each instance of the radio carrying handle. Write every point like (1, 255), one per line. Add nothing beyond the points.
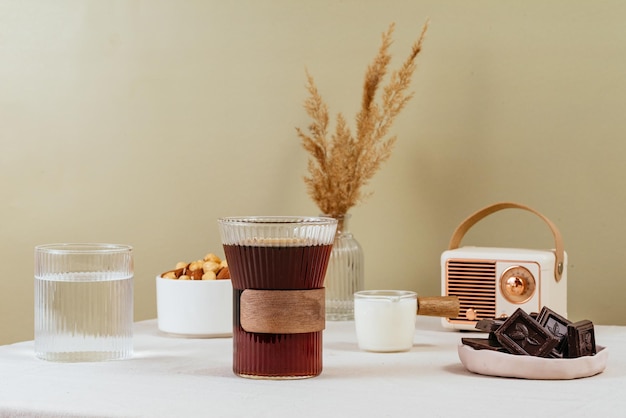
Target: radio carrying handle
(462, 229)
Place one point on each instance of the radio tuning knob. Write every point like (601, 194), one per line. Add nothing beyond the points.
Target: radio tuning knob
(517, 284)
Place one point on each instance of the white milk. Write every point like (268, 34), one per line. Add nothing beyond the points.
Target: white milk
(385, 319)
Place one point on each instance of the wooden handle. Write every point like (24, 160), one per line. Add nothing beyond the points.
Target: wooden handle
(444, 306)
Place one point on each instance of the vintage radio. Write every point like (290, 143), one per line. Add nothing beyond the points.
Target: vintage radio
(494, 282)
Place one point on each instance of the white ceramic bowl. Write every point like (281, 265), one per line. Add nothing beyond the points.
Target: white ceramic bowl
(195, 308)
(494, 363)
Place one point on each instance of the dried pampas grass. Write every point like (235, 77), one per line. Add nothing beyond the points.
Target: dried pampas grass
(340, 164)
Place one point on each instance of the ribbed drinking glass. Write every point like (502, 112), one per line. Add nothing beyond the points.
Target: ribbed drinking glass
(83, 302)
(278, 257)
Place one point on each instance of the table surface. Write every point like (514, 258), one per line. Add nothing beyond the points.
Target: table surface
(183, 377)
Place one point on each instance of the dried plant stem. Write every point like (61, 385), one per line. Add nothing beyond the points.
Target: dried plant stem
(341, 163)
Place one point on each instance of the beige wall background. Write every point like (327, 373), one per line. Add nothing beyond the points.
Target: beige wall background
(142, 122)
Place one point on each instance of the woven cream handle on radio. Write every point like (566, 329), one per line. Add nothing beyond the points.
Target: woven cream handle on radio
(462, 229)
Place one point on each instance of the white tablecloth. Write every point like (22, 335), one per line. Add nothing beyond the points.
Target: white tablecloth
(180, 377)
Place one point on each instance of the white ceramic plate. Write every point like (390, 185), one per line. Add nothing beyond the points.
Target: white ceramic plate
(494, 363)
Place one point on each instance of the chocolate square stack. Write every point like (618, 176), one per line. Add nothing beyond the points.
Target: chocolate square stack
(546, 334)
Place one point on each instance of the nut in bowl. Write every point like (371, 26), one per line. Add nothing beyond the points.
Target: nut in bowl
(195, 299)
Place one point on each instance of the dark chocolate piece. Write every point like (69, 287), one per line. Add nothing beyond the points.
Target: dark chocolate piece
(483, 344)
(489, 325)
(556, 354)
(581, 339)
(557, 325)
(521, 334)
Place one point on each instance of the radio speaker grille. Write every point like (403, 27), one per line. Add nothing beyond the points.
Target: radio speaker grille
(474, 282)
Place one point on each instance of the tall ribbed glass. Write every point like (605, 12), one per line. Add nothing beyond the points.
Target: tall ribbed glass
(83, 302)
(276, 253)
(345, 274)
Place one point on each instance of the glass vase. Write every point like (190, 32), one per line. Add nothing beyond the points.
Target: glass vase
(345, 274)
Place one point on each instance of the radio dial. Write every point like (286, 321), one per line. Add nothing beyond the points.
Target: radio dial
(517, 284)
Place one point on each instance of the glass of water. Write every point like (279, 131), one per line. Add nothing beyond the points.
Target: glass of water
(83, 302)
